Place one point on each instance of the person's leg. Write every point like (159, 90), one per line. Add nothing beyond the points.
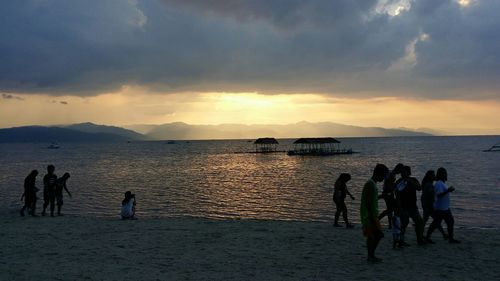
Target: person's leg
(46, 201)
(33, 206)
(344, 214)
(405, 220)
(450, 222)
(337, 214)
(437, 218)
(419, 223)
(52, 205)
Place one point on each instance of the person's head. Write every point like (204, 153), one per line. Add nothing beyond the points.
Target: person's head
(405, 171)
(380, 172)
(51, 169)
(397, 169)
(344, 177)
(441, 174)
(34, 173)
(430, 176)
(129, 195)
(66, 176)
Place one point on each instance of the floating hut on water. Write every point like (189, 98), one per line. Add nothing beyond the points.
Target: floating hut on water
(318, 147)
(263, 145)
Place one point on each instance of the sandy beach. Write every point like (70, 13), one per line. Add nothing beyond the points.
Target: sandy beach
(83, 248)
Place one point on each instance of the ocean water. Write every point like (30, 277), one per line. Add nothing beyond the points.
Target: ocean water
(210, 179)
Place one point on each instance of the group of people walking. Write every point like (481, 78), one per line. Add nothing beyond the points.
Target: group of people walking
(400, 196)
(52, 192)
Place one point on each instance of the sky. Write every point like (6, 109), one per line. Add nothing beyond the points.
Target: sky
(387, 63)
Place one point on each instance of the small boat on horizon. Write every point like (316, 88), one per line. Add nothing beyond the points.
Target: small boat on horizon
(53, 146)
(494, 148)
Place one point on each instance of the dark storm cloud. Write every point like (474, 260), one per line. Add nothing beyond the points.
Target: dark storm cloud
(89, 47)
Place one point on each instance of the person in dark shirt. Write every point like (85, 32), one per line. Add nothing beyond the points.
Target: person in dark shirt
(60, 185)
(49, 190)
(29, 194)
(388, 194)
(406, 192)
(339, 194)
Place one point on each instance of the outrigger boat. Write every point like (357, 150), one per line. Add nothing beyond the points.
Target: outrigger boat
(494, 148)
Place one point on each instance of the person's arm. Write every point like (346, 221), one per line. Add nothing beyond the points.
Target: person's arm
(450, 189)
(67, 191)
(348, 193)
(22, 196)
(371, 209)
(416, 184)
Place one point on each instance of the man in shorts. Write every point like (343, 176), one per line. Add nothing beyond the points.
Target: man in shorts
(369, 211)
(49, 190)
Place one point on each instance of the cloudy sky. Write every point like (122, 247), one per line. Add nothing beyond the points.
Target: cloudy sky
(389, 63)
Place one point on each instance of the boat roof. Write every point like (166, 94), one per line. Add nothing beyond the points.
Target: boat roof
(316, 140)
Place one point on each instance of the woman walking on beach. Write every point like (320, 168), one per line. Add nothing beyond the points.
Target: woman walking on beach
(339, 194)
(442, 206)
(369, 211)
(29, 194)
(427, 198)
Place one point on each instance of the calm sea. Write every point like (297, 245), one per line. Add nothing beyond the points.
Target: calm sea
(208, 179)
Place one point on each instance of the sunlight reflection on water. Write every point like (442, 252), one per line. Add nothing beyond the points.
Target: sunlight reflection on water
(207, 179)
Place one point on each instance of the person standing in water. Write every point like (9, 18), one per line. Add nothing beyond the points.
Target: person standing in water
(339, 194)
(60, 185)
(369, 211)
(49, 190)
(442, 206)
(29, 194)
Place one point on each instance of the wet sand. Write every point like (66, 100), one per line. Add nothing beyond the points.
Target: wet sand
(83, 248)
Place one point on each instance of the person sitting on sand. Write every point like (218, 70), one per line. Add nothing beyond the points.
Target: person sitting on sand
(406, 189)
(128, 206)
(339, 194)
(60, 185)
(369, 211)
(427, 198)
(442, 206)
(49, 190)
(29, 194)
(388, 194)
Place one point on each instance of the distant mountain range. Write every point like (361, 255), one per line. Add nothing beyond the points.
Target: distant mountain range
(183, 131)
(83, 132)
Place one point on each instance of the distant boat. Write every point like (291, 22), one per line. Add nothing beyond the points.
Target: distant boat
(53, 146)
(494, 148)
(170, 142)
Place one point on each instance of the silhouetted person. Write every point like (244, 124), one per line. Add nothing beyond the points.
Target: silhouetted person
(442, 206)
(369, 211)
(407, 194)
(49, 190)
(29, 194)
(339, 194)
(60, 185)
(128, 206)
(427, 198)
(388, 194)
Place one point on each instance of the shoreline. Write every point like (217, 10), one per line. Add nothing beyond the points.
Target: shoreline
(78, 247)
